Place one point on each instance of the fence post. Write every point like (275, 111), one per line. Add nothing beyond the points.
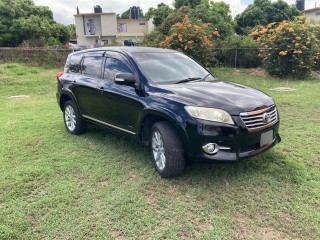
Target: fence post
(236, 58)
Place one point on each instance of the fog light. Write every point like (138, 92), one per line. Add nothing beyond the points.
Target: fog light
(211, 148)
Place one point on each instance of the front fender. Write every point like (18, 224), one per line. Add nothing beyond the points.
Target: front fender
(177, 121)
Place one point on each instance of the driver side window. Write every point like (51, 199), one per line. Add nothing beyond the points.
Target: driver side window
(114, 66)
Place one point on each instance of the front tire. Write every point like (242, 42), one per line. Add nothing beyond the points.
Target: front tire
(72, 121)
(166, 150)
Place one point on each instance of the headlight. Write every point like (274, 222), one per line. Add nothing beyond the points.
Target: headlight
(209, 114)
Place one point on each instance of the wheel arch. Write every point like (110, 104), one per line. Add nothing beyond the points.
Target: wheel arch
(151, 116)
(66, 96)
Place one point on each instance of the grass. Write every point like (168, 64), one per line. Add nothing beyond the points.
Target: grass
(101, 186)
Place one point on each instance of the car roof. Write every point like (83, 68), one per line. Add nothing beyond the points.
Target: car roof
(129, 50)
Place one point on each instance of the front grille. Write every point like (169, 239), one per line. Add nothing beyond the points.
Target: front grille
(260, 119)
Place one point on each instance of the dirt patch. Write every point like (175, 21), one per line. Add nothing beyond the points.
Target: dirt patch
(253, 72)
(283, 89)
(117, 234)
(132, 174)
(243, 227)
(103, 183)
(19, 97)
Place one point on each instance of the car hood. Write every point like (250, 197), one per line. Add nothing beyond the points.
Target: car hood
(231, 97)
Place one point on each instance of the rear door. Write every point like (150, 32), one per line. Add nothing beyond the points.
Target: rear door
(86, 83)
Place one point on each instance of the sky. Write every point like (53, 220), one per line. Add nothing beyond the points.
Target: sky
(63, 10)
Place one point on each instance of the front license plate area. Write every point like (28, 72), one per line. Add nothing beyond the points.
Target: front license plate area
(266, 138)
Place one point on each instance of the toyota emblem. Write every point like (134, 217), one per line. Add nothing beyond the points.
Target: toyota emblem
(266, 118)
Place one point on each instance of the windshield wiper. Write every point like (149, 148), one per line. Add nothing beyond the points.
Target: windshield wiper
(189, 80)
(203, 79)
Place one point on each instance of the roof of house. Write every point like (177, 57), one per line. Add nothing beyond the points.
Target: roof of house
(312, 10)
(90, 14)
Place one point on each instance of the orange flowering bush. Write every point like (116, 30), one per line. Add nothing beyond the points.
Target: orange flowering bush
(292, 47)
(192, 38)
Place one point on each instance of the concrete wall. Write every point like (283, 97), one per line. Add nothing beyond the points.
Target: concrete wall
(313, 15)
(109, 25)
(107, 29)
(150, 26)
(134, 27)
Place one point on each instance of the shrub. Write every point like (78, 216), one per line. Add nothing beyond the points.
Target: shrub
(192, 39)
(153, 39)
(293, 47)
(34, 56)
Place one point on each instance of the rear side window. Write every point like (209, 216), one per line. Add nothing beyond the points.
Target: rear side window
(73, 63)
(114, 66)
(91, 65)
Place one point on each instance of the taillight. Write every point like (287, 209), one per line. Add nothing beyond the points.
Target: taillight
(59, 75)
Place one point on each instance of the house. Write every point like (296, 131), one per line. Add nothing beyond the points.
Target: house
(101, 28)
(313, 14)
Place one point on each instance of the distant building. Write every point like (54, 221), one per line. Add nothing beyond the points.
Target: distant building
(313, 13)
(100, 28)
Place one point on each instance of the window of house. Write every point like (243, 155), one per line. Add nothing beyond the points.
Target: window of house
(142, 23)
(91, 26)
(317, 13)
(91, 65)
(122, 27)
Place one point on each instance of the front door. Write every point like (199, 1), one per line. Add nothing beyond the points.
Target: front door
(119, 104)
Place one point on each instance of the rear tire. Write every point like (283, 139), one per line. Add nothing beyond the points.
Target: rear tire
(72, 121)
(166, 150)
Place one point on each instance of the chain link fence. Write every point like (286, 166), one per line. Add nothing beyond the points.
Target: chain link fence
(239, 57)
(56, 57)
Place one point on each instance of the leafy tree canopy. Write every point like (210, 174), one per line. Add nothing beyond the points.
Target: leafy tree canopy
(22, 20)
(187, 3)
(159, 14)
(263, 12)
(216, 13)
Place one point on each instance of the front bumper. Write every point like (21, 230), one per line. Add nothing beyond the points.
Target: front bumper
(236, 141)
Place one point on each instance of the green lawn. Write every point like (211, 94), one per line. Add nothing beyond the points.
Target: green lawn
(54, 185)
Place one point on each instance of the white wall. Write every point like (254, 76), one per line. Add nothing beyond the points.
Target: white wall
(314, 15)
(109, 25)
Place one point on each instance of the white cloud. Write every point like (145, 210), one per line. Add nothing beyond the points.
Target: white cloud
(64, 10)
(236, 6)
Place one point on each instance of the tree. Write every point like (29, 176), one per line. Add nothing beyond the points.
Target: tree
(72, 31)
(216, 13)
(23, 21)
(263, 12)
(187, 3)
(159, 14)
(174, 18)
(192, 38)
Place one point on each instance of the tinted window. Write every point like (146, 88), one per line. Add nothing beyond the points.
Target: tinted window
(169, 67)
(114, 66)
(73, 64)
(91, 65)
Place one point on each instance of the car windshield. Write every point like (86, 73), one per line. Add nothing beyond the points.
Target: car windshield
(167, 68)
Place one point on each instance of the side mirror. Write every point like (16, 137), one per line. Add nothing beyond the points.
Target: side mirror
(125, 79)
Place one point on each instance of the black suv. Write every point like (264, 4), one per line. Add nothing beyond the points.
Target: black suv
(165, 100)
